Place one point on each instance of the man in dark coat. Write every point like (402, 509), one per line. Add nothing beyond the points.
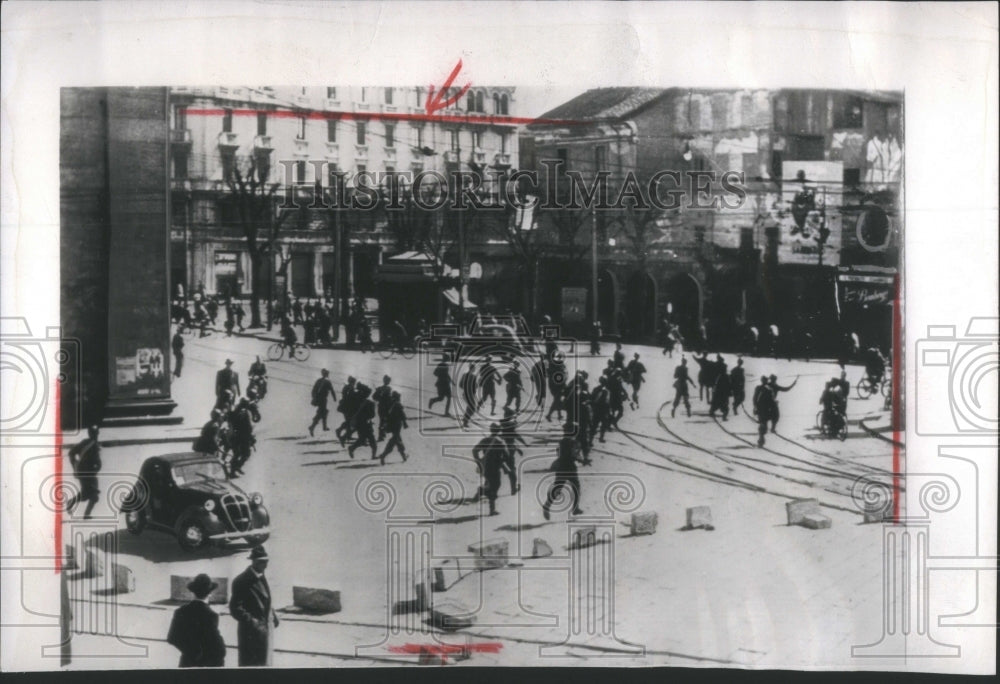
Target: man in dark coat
(383, 400)
(514, 387)
(738, 384)
(395, 421)
(250, 606)
(565, 470)
(85, 458)
(227, 379)
(490, 455)
(177, 344)
(681, 382)
(322, 389)
(362, 422)
(347, 406)
(508, 431)
(442, 383)
(489, 385)
(635, 372)
(242, 439)
(721, 392)
(194, 630)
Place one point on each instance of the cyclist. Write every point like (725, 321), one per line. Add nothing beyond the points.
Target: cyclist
(834, 406)
(258, 374)
(874, 366)
(397, 335)
(288, 336)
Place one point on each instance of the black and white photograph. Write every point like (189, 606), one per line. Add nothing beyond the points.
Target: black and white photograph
(451, 369)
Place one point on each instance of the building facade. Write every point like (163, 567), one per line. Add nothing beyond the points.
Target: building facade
(816, 171)
(302, 136)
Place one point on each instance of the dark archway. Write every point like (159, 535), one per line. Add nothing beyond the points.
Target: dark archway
(683, 297)
(640, 306)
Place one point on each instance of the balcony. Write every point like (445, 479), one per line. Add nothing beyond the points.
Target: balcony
(263, 142)
(390, 155)
(229, 140)
(390, 109)
(301, 100)
(451, 157)
(332, 104)
(180, 184)
(501, 160)
(361, 153)
(301, 146)
(362, 106)
(180, 136)
(332, 151)
(479, 157)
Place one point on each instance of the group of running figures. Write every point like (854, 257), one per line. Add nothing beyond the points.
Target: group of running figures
(229, 434)
(589, 413)
(206, 313)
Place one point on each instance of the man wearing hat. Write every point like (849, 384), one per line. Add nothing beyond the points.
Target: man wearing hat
(322, 389)
(194, 631)
(250, 606)
(227, 379)
(85, 458)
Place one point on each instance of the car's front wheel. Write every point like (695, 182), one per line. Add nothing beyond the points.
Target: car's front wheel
(191, 534)
(135, 521)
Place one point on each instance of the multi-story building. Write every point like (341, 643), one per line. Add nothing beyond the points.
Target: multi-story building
(725, 259)
(291, 133)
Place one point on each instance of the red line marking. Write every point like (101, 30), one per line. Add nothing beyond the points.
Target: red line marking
(58, 485)
(897, 404)
(385, 116)
(447, 649)
(435, 101)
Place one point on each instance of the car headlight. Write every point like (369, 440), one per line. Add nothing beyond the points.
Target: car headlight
(256, 498)
(209, 505)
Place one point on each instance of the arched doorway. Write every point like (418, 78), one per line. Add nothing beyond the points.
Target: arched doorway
(684, 304)
(640, 306)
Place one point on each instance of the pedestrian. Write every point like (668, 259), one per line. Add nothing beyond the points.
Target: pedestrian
(635, 372)
(362, 421)
(227, 379)
(230, 320)
(347, 406)
(297, 311)
(177, 344)
(556, 370)
(722, 391)
(508, 431)
(85, 458)
(240, 314)
(514, 386)
(681, 382)
(539, 378)
(775, 339)
(250, 606)
(469, 383)
(442, 383)
(763, 407)
(383, 400)
(566, 473)
(489, 385)
(208, 441)
(617, 395)
(213, 309)
(596, 333)
(775, 390)
(706, 369)
(490, 456)
(194, 629)
(257, 375)
(601, 405)
(395, 422)
(242, 439)
(738, 385)
(618, 357)
(321, 389)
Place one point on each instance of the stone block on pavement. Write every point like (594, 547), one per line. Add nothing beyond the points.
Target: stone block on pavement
(450, 616)
(800, 508)
(179, 590)
(816, 521)
(540, 548)
(93, 562)
(583, 536)
(699, 518)
(316, 600)
(124, 578)
(490, 554)
(877, 515)
(643, 523)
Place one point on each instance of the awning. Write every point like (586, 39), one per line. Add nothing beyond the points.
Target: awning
(451, 294)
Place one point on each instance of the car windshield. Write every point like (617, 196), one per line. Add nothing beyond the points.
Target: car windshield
(198, 471)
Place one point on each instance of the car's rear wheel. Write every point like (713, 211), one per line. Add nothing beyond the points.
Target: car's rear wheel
(135, 521)
(191, 534)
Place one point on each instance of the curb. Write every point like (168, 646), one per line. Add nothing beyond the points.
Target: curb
(140, 441)
(879, 435)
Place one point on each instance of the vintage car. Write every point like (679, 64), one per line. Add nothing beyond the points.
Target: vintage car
(189, 496)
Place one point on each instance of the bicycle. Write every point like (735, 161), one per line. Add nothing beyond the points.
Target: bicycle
(823, 422)
(866, 387)
(298, 351)
(407, 349)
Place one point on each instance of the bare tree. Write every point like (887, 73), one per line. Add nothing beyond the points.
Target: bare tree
(258, 216)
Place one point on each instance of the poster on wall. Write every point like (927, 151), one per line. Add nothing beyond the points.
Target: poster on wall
(809, 214)
(574, 304)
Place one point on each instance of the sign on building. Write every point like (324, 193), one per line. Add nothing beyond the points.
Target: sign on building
(809, 214)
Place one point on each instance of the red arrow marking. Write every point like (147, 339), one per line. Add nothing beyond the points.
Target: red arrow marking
(435, 100)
